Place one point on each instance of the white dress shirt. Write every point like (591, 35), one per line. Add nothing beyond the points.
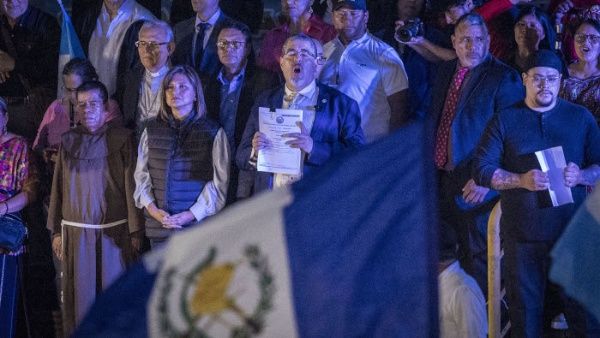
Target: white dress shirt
(105, 44)
(211, 25)
(461, 305)
(212, 197)
(305, 100)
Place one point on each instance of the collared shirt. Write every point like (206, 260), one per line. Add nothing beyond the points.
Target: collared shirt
(107, 38)
(305, 100)
(461, 304)
(212, 197)
(211, 25)
(270, 49)
(230, 96)
(150, 88)
(368, 70)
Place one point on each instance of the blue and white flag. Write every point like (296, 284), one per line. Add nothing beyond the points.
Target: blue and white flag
(575, 256)
(70, 47)
(349, 251)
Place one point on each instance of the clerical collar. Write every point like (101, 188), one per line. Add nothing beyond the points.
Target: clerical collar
(160, 72)
(211, 21)
(307, 91)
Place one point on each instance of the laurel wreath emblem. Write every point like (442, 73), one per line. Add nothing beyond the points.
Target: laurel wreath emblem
(214, 298)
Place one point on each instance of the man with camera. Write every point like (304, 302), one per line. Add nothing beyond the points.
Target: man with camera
(419, 65)
(366, 69)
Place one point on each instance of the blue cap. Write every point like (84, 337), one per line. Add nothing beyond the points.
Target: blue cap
(354, 4)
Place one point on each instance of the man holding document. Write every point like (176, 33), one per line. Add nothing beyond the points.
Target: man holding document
(519, 154)
(298, 126)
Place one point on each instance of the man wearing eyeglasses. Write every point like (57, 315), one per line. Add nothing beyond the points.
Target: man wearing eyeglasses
(96, 228)
(366, 69)
(330, 119)
(530, 224)
(138, 94)
(104, 32)
(230, 96)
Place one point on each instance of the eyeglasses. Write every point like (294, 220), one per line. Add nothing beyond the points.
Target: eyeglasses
(149, 44)
(581, 38)
(302, 53)
(91, 104)
(224, 44)
(551, 80)
(353, 13)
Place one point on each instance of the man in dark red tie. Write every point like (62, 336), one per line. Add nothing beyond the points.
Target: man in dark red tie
(467, 92)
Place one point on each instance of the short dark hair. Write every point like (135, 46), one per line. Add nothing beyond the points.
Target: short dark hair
(233, 24)
(82, 68)
(94, 85)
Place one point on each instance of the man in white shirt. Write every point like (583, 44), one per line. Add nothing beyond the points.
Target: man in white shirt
(461, 303)
(366, 69)
(139, 92)
(196, 38)
(104, 49)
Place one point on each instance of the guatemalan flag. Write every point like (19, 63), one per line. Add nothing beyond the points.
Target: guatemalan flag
(349, 251)
(575, 256)
(70, 47)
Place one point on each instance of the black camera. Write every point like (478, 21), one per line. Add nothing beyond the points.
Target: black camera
(412, 28)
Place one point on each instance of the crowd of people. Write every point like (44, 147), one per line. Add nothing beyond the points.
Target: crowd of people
(158, 129)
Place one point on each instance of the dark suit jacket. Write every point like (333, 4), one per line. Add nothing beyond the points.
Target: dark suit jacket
(490, 87)
(128, 95)
(240, 183)
(336, 128)
(184, 37)
(249, 12)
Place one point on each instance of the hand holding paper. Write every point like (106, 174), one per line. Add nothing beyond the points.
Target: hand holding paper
(572, 175)
(535, 180)
(300, 140)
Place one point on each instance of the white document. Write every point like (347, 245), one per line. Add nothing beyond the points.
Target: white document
(552, 161)
(279, 157)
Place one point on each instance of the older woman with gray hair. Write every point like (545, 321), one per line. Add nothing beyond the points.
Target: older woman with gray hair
(183, 163)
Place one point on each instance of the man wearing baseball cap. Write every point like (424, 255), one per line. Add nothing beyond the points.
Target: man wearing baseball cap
(506, 161)
(366, 69)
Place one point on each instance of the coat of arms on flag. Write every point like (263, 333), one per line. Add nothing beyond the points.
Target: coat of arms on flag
(210, 297)
(230, 288)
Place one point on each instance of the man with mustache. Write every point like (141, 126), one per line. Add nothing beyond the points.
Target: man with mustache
(466, 94)
(330, 121)
(505, 161)
(96, 228)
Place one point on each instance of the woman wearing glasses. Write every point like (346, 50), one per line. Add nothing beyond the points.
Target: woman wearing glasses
(583, 84)
(183, 162)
